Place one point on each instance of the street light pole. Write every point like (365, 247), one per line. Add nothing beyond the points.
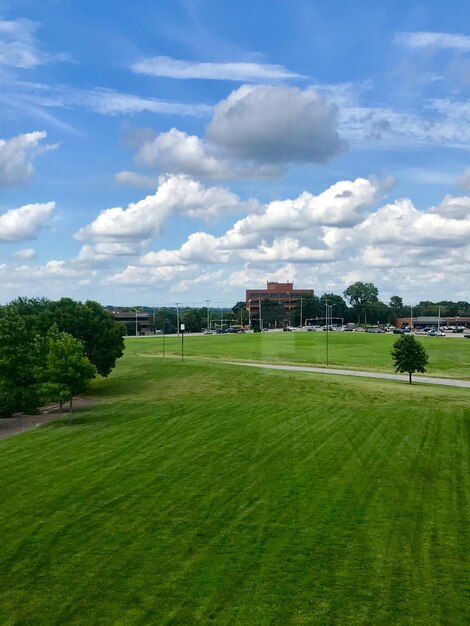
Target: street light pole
(260, 317)
(208, 318)
(301, 300)
(183, 328)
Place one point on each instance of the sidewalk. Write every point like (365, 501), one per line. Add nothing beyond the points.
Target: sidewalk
(417, 378)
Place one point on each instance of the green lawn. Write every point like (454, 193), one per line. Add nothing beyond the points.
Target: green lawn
(448, 356)
(199, 493)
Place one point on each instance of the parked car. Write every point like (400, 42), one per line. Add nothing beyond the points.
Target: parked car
(219, 331)
(311, 329)
(241, 330)
(466, 336)
(287, 329)
(398, 331)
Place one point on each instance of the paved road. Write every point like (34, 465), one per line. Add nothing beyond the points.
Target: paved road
(324, 370)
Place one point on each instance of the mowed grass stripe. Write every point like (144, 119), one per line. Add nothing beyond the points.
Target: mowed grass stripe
(219, 495)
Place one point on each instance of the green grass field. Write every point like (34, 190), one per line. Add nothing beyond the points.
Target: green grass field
(448, 356)
(202, 493)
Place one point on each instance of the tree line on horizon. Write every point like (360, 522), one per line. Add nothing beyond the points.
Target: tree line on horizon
(359, 303)
(51, 350)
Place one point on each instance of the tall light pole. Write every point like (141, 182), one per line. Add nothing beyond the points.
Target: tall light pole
(412, 326)
(260, 317)
(301, 300)
(439, 320)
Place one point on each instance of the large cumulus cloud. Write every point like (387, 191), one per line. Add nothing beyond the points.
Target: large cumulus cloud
(276, 124)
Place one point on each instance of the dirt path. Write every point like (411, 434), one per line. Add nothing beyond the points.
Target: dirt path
(12, 425)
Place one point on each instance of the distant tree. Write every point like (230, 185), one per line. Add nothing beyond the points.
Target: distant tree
(192, 320)
(68, 371)
(311, 309)
(240, 312)
(272, 313)
(360, 295)
(396, 306)
(241, 304)
(340, 308)
(409, 356)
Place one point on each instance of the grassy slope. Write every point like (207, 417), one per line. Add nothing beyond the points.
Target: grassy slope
(202, 493)
(448, 357)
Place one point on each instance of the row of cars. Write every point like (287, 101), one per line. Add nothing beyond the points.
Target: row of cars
(224, 331)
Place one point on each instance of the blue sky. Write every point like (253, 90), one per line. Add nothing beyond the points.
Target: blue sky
(161, 152)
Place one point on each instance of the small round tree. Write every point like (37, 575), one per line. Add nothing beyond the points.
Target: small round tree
(409, 356)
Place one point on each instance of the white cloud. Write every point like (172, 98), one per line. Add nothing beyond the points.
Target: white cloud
(106, 251)
(24, 223)
(135, 179)
(276, 124)
(332, 239)
(146, 218)
(240, 71)
(138, 275)
(340, 205)
(16, 156)
(19, 48)
(99, 100)
(25, 253)
(439, 122)
(453, 207)
(176, 151)
(110, 102)
(425, 39)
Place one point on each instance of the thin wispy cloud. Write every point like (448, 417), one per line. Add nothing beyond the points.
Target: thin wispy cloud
(166, 67)
(19, 48)
(425, 39)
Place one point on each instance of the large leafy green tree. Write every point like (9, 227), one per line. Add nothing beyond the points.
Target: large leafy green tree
(20, 355)
(409, 356)
(90, 322)
(361, 295)
(68, 371)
